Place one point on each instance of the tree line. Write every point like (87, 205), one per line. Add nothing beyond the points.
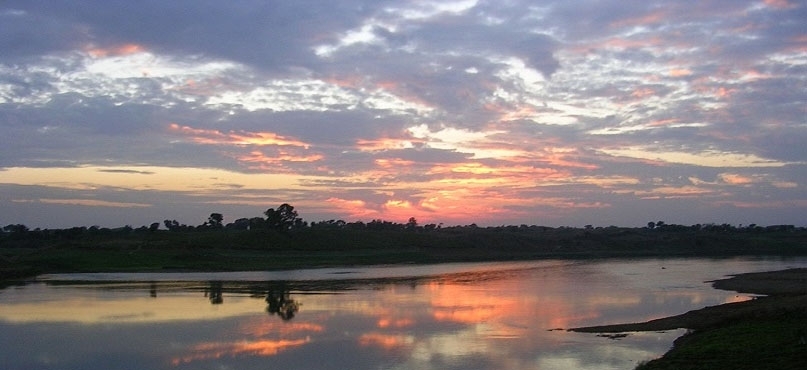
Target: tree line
(285, 219)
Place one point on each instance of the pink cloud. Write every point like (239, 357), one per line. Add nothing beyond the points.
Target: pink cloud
(779, 4)
(644, 20)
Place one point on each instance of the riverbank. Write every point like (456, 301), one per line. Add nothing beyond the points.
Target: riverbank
(768, 332)
(27, 253)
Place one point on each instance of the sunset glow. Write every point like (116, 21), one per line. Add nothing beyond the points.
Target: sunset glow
(549, 112)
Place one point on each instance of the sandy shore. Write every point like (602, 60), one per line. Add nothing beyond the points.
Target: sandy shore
(785, 293)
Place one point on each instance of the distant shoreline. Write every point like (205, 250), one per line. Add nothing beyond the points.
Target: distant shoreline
(30, 252)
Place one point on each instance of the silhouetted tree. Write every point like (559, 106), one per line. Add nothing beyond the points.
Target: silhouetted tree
(239, 224)
(172, 225)
(15, 228)
(412, 224)
(215, 220)
(256, 223)
(329, 224)
(283, 219)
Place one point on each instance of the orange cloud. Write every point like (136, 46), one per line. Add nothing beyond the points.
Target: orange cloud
(265, 348)
(470, 168)
(680, 72)
(262, 159)
(393, 163)
(394, 323)
(735, 179)
(386, 341)
(346, 203)
(266, 327)
(560, 159)
(217, 137)
(456, 303)
(398, 204)
(125, 49)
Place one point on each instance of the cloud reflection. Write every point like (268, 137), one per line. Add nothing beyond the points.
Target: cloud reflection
(492, 315)
(263, 348)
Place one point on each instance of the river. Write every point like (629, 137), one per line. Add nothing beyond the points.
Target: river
(500, 315)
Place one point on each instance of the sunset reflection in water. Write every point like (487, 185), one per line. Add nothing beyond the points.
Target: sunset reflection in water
(479, 318)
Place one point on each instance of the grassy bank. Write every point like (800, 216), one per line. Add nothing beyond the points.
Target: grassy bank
(88, 250)
(773, 342)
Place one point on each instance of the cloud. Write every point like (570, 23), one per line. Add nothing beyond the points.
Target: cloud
(708, 158)
(463, 110)
(92, 203)
(126, 171)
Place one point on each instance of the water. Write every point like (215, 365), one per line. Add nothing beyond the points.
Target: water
(448, 316)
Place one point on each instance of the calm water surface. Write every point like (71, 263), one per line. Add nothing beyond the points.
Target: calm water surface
(448, 316)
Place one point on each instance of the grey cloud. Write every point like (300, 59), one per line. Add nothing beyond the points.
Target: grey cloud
(318, 128)
(470, 37)
(98, 133)
(271, 35)
(28, 33)
(53, 116)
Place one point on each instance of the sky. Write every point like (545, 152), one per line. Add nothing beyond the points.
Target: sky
(556, 113)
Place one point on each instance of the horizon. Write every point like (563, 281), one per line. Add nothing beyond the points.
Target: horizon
(458, 112)
(228, 221)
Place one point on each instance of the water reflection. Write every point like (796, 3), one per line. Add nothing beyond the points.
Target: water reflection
(474, 316)
(215, 293)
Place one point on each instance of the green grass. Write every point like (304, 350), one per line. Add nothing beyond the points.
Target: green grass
(753, 344)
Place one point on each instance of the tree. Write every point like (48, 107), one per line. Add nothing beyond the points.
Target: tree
(215, 220)
(239, 224)
(16, 228)
(256, 223)
(283, 219)
(412, 224)
(172, 225)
